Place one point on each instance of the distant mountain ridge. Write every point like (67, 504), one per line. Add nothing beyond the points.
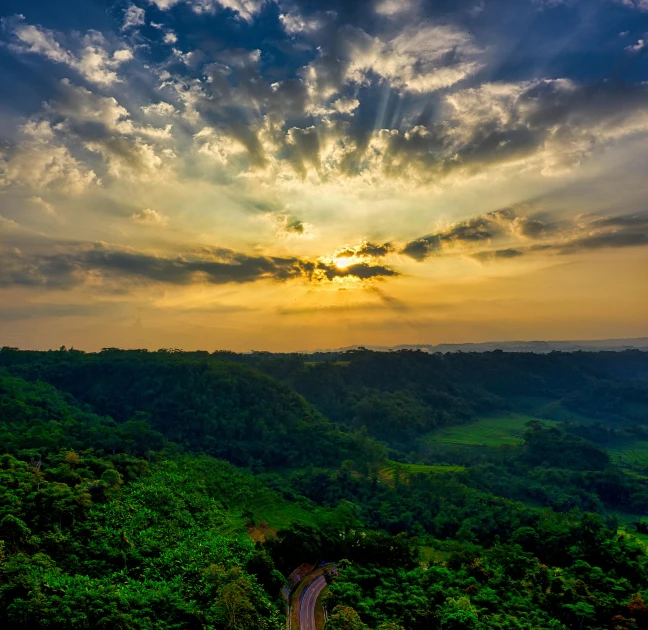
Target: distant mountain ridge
(542, 347)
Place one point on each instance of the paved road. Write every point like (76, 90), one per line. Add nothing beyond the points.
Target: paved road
(309, 599)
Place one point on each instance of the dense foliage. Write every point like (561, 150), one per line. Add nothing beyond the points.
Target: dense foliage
(227, 410)
(114, 512)
(401, 395)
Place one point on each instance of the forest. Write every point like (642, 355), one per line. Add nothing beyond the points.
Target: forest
(173, 489)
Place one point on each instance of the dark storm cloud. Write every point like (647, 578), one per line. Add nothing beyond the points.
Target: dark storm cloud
(215, 266)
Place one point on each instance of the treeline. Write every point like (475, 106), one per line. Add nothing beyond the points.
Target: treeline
(217, 401)
(226, 410)
(401, 395)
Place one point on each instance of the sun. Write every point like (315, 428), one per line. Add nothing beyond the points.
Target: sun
(342, 262)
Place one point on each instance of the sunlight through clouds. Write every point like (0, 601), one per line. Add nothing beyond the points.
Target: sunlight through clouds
(381, 147)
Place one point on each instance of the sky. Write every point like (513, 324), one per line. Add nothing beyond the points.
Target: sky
(292, 175)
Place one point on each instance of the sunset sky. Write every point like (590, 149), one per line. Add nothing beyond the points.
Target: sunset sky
(302, 174)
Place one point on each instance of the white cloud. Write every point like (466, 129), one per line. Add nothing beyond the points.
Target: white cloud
(217, 146)
(159, 109)
(296, 24)
(395, 7)
(165, 5)
(80, 104)
(246, 9)
(170, 37)
(40, 164)
(346, 105)
(133, 17)
(150, 217)
(41, 42)
(635, 48)
(130, 160)
(419, 59)
(80, 121)
(641, 5)
(93, 61)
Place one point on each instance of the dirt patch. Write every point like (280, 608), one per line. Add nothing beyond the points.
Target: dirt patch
(261, 532)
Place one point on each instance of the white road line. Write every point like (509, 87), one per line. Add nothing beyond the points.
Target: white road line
(307, 609)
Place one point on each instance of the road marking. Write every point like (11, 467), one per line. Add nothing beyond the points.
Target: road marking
(309, 601)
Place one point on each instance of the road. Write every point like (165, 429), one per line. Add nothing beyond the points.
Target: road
(308, 601)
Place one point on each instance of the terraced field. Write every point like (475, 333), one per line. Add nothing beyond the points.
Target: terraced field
(629, 453)
(418, 469)
(489, 431)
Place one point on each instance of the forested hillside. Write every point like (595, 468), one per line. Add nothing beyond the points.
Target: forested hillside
(226, 410)
(178, 490)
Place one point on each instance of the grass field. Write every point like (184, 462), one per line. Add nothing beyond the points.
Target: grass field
(626, 527)
(490, 431)
(266, 507)
(418, 469)
(629, 453)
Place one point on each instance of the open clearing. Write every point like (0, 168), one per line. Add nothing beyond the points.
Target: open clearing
(489, 431)
(270, 512)
(629, 453)
(418, 469)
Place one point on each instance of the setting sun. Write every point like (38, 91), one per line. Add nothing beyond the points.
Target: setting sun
(160, 186)
(343, 262)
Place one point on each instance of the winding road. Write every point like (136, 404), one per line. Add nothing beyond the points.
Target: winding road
(308, 602)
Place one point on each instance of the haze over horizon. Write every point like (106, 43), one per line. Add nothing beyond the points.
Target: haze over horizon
(291, 174)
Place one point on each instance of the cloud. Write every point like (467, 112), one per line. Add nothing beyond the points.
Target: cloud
(528, 234)
(641, 5)
(133, 17)
(246, 9)
(287, 225)
(418, 59)
(550, 126)
(45, 206)
(498, 254)
(159, 109)
(345, 105)
(81, 119)
(395, 7)
(365, 250)
(40, 162)
(150, 217)
(477, 230)
(8, 225)
(96, 60)
(99, 264)
(583, 234)
(361, 271)
(638, 47)
(629, 222)
(604, 241)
